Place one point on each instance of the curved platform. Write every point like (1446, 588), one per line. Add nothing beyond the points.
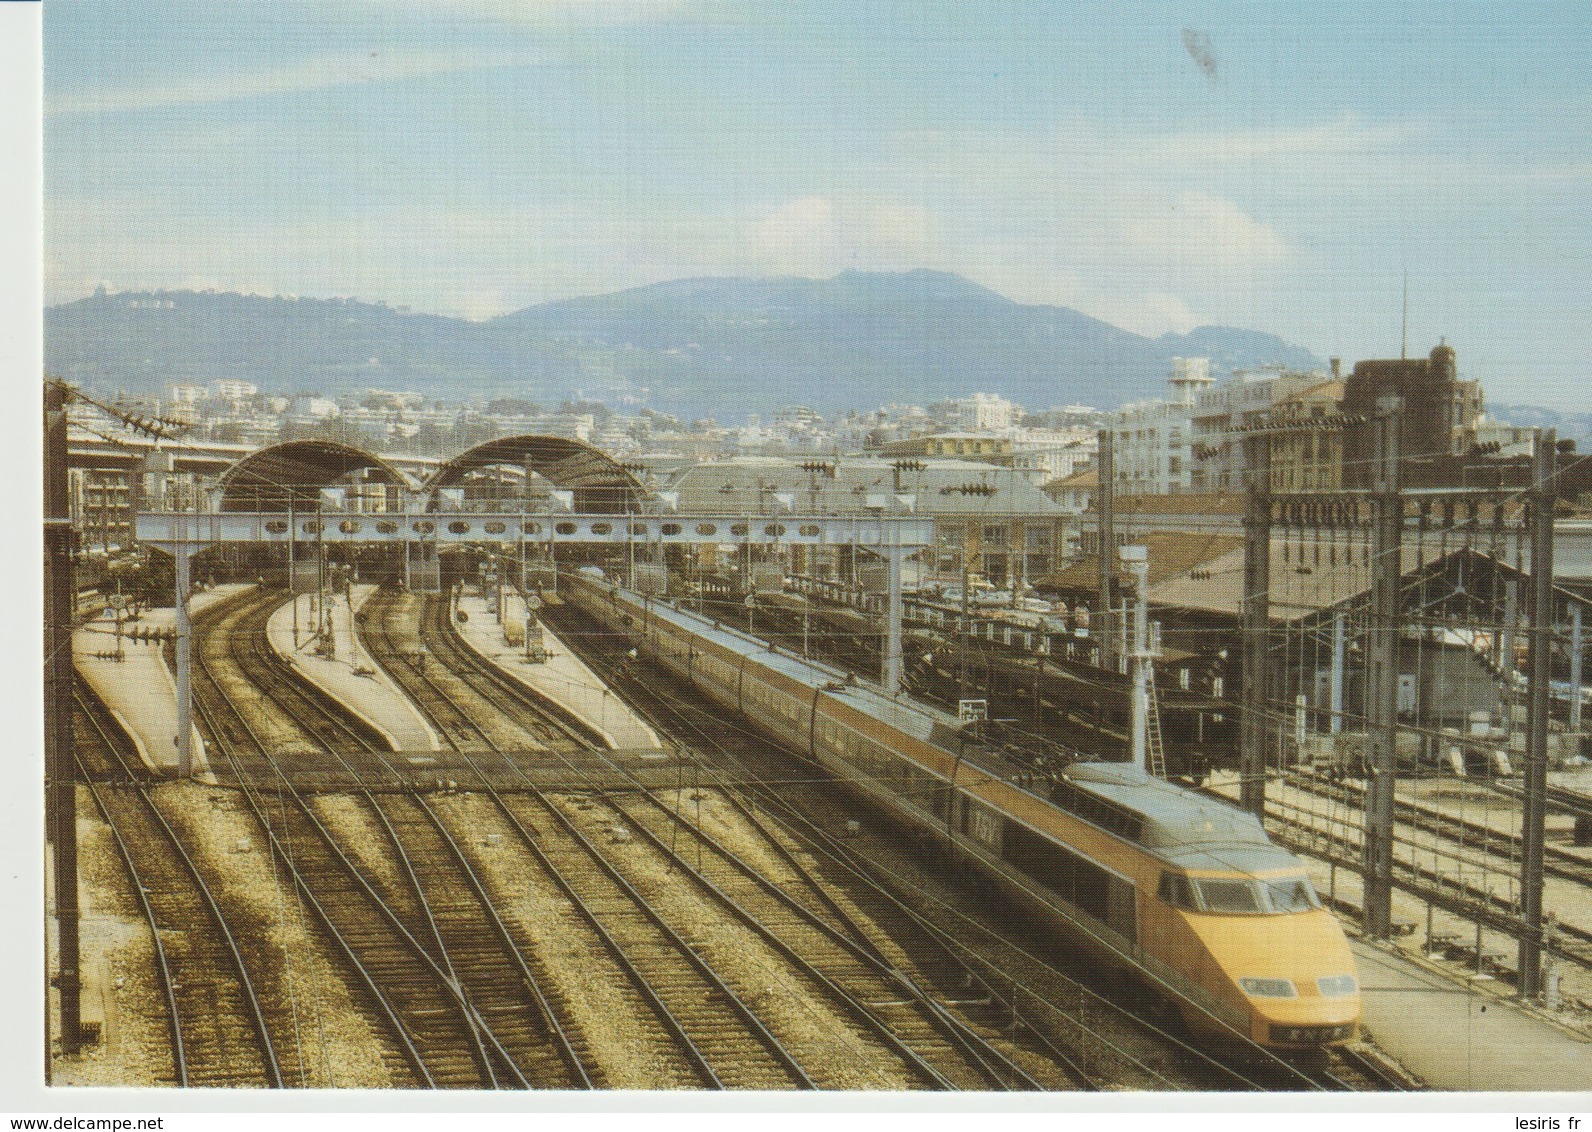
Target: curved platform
(345, 670)
(561, 678)
(140, 689)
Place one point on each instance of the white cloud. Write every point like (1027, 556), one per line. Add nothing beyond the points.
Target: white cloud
(1151, 313)
(346, 69)
(1341, 137)
(819, 235)
(797, 233)
(1206, 229)
(540, 12)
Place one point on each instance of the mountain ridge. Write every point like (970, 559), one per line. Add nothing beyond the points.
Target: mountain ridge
(709, 345)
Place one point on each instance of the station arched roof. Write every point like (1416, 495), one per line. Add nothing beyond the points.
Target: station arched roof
(265, 480)
(599, 483)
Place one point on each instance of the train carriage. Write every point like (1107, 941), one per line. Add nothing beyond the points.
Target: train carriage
(1182, 889)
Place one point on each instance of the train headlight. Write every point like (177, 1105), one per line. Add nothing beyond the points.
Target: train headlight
(1337, 986)
(1269, 988)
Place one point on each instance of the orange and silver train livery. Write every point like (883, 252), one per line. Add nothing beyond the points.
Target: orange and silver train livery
(1185, 890)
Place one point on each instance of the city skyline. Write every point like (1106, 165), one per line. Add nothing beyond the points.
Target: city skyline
(1271, 170)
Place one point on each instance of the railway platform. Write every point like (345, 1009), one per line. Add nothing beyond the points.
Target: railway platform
(1458, 1037)
(140, 689)
(561, 677)
(345, 670)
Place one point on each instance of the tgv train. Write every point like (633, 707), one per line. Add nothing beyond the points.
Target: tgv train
(1183, 889)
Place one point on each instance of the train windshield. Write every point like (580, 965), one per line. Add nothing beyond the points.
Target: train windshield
(1246, 896)
(1291, 894)
(1230, 896)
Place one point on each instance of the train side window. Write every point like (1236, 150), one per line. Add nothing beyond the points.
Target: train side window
(1072, 877)
(1121, 912)
(1176, 891)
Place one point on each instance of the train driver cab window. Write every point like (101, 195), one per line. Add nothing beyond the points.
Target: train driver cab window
(1249, 896)
(1176, 891)
(1291, 894)
(1230, 897)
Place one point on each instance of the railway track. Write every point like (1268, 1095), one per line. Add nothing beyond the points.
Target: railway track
(700, 1032)
(552, 726)
(1306, 838)
(675, 996)
(272, 713)
(1090, 1053)
(1463, 832)
(1359, 1071)
(462, 1012)
(219, 1034)
(795, 906)
(824, 965)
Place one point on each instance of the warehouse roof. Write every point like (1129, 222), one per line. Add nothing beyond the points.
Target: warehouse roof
(843, 485)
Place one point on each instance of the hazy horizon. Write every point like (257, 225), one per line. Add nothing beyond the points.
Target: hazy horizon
(1278, 169)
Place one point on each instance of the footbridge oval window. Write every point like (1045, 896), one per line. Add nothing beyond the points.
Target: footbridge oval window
(739, 529)
(276, 527)
(424, 527)
(386, 527)
(313, 527)
(459, 527)
(565, 528)
(707, 529)
(809, 530)
(671, 528)
(350, 526)
(531, 528)
(774, 529)
(638, 529)
(496, 528)
(602, 528)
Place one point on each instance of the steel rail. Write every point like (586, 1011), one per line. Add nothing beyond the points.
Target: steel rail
(1369, 1067)
(856, 1006)
(1463, 900)
(385, 1007)
(777, 940)
(504, 689)
(1501, 909)
(255, 1013)
(952, 1029)
(643, 985)
(472, 1024)
(748, 1017)
(472, 666)
(621, 678)
(963, 1033)
(1560, 863)
(958, 1036)
(565, 1050)
(442, 955)
(265, 661)
(387, 657)
(973, 1045)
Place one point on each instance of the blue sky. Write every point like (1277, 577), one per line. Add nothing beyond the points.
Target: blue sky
(1160, 166)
